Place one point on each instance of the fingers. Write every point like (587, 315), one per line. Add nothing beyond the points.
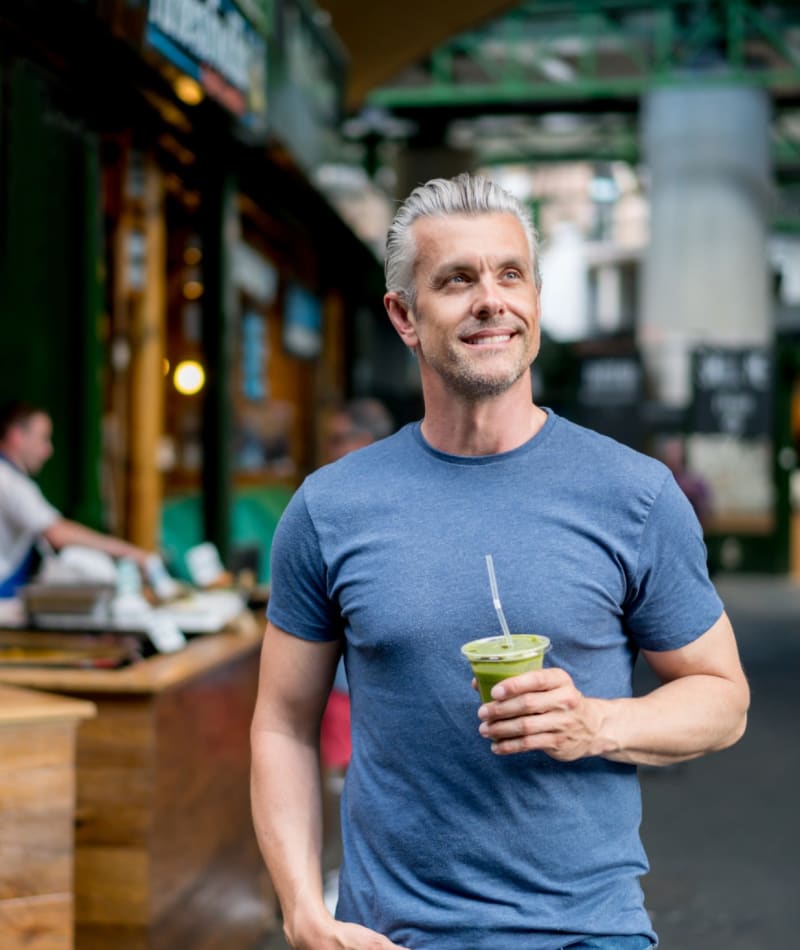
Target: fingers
(531, 694)
(541, 710)
(356, 937)
(339, 935)
(535, 680)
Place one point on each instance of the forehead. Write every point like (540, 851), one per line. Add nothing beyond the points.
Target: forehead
(460, 236)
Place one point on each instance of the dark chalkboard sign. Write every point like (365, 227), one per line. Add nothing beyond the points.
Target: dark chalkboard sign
(732, 391)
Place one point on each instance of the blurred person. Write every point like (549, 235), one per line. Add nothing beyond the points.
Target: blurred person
(672, 452)
(357, 424)
(512, 823)
(25, 514)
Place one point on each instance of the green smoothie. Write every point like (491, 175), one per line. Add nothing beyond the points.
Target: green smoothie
(493, 660)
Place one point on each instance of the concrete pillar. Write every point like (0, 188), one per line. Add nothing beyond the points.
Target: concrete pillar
(706, 274)
(706, 281)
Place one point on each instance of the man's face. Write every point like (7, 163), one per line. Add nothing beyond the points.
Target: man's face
(475, 321)
(32, 442)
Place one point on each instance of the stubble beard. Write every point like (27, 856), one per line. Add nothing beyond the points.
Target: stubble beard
(464, 378)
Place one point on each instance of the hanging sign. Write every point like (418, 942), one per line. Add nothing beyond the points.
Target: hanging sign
(732, 391)
(306, 100)
(211, 41)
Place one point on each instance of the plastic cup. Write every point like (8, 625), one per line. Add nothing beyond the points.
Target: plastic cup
(493, 660)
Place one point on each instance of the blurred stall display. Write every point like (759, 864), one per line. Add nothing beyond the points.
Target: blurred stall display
(90, 602)
(68, 651)
(178, 865)
(37, 787)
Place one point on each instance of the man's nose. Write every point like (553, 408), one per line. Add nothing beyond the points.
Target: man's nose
(488, 299)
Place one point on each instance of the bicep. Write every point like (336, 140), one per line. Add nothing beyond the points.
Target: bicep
(714, 653)
(294, 682)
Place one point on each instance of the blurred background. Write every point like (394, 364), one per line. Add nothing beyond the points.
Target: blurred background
(195, 196)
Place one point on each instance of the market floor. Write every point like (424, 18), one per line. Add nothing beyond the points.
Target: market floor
(722, 832)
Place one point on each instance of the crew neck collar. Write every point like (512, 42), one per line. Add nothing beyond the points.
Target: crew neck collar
(535, 440)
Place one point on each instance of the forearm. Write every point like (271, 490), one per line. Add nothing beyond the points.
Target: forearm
(287, 816)
(681, 720)
(700, 707)
(65, 532)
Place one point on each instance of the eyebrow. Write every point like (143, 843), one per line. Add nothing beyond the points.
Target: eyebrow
(462, 264)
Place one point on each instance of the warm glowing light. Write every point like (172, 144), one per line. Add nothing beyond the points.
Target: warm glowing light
(165, 366)
(188, 90)
(192, 290)
(189, 377)
(192, 255)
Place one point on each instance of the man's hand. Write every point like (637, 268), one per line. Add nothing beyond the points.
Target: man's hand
(543, 710)
(341, 936)
(700, 707)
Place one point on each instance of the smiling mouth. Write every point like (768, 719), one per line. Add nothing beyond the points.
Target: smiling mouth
(494, 339)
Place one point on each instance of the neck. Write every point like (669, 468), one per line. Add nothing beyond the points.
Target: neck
(488, 427)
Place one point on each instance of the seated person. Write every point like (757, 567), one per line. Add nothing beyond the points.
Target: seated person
(25, 514)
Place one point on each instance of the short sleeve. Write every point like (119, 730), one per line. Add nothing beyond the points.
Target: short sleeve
(299, 602)
(671, 600)
(26, 508)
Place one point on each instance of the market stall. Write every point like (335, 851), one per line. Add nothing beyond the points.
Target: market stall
(165, 854)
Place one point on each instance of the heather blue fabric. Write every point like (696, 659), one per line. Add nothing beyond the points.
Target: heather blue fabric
(448, 846)
(612, 943)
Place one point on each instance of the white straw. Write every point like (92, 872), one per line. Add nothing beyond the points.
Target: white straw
(496, 600)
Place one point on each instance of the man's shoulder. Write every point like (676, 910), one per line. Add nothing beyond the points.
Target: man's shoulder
(372, 461)
(591, 446)
(605, 466)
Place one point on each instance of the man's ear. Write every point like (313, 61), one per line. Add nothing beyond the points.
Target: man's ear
(402, 318)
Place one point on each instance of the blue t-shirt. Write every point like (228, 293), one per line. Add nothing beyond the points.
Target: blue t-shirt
(446, 845)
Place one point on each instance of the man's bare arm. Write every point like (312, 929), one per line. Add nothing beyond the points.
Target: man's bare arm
(700, 707)
(294, 683)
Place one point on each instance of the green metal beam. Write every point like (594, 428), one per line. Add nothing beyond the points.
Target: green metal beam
(573, 52)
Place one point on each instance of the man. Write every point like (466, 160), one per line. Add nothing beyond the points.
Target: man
(517, 829)
(25, 514)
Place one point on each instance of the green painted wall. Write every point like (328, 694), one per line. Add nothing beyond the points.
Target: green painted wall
(50, 281)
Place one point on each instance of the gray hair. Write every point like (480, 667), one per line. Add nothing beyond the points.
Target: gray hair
(464, 194)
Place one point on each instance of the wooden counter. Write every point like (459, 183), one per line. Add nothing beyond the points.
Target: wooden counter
(37, 818)
(166, 856)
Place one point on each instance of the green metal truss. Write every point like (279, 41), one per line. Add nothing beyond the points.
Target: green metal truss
(579, 51)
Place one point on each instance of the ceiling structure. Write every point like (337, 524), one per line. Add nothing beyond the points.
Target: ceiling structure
(555, 80)
(381, 38)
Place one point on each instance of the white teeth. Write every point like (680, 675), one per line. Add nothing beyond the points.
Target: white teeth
(484, 340)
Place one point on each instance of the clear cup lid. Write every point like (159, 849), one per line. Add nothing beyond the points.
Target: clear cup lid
(493, 649)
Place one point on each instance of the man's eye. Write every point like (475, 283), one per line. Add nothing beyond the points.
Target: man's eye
(457, 279)
(512, 275)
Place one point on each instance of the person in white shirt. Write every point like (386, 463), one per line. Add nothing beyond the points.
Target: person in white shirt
(25, 514)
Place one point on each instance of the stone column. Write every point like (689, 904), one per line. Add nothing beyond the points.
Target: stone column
(706, 271)
(706, 279)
